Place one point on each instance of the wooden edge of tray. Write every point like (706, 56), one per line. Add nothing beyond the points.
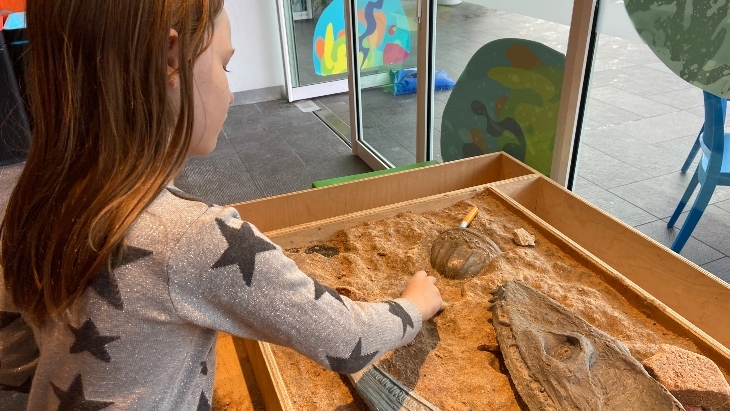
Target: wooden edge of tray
(234, 385)
(328, 227)
(266, 370)
(269, 380)
(316, 204)
(634, 294)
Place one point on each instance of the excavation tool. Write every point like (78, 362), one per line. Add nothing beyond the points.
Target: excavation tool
(382, 392)
(460, 252)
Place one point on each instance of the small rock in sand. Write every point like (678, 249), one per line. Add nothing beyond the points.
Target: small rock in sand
(523, 238)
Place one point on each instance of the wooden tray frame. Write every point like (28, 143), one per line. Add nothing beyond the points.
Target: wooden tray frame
(665, 286)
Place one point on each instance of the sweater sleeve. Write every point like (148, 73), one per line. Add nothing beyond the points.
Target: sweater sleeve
(18, 354)
(225, 275)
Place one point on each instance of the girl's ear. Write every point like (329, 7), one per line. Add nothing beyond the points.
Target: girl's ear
(173, 58)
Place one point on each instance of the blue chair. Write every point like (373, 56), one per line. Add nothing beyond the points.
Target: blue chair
(692, 152)
(712, 170)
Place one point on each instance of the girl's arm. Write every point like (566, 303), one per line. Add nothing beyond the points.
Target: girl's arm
(225, 275)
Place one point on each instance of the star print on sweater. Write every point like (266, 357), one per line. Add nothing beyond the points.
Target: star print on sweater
(105, 284)
(73, 398)
(171, 294)
(398, 311)
(243, 246)
(320, 290)
(203, 404)
(87, 338)
(7, 318)
(354, 363)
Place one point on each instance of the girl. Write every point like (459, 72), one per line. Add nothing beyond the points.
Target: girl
(124, 282)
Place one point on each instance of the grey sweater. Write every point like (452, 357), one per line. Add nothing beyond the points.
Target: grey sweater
(143, 336)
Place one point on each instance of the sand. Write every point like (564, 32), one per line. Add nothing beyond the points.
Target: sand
(454, 362)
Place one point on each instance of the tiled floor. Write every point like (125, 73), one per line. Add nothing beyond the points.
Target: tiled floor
(641, 122)
(267, 149)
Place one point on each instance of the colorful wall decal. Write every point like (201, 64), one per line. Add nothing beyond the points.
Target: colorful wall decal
(507, 100)
(691, 38)
(384, 36)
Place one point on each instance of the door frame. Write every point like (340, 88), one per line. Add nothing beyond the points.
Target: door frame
(426, 12)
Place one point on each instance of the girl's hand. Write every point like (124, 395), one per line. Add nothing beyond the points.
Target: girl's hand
(422, 292)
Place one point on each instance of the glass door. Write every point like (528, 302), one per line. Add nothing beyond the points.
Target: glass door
(315, 43)
(386, 46)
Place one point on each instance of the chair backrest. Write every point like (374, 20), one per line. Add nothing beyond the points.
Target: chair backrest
(713, 137)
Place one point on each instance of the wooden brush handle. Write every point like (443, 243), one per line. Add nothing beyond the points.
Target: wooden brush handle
(469, 218)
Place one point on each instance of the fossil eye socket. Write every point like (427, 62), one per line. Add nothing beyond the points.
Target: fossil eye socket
(561, 347)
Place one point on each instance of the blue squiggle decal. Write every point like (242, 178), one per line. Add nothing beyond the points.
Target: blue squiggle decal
(370, 26)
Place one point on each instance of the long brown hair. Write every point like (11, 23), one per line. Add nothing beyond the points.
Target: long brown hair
(106, 137)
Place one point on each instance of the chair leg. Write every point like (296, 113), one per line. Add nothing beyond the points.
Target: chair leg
(699, 206)
(692, 152)
(685, 198)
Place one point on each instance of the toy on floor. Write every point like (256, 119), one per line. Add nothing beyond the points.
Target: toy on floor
(405, 82)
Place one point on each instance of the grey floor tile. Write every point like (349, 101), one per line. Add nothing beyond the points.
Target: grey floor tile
(405, 135)
(295, 131)
(265, 152)
(315, 143)
(712, 228)
(279, 113)
(660, 66)
(660, 195)
(341, 166)
(695, 250)
(698, 111)
(242, 119)
(640, 80)
(682, 99)
(464, 44)
(581, 184)
(604, 170)
(611, 203)
(608, 114)
(337, 106)
(725, 205)
(719, 268)
(613, 52)
(219, 178)
(630, 101)
(394, 152)
(680, 147)
(335, 98)
(301, 178)
(589, 124)
(284, 180)
(664, 127)
(651, 159)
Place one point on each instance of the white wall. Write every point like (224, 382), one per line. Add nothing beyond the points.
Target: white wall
(257, 62)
